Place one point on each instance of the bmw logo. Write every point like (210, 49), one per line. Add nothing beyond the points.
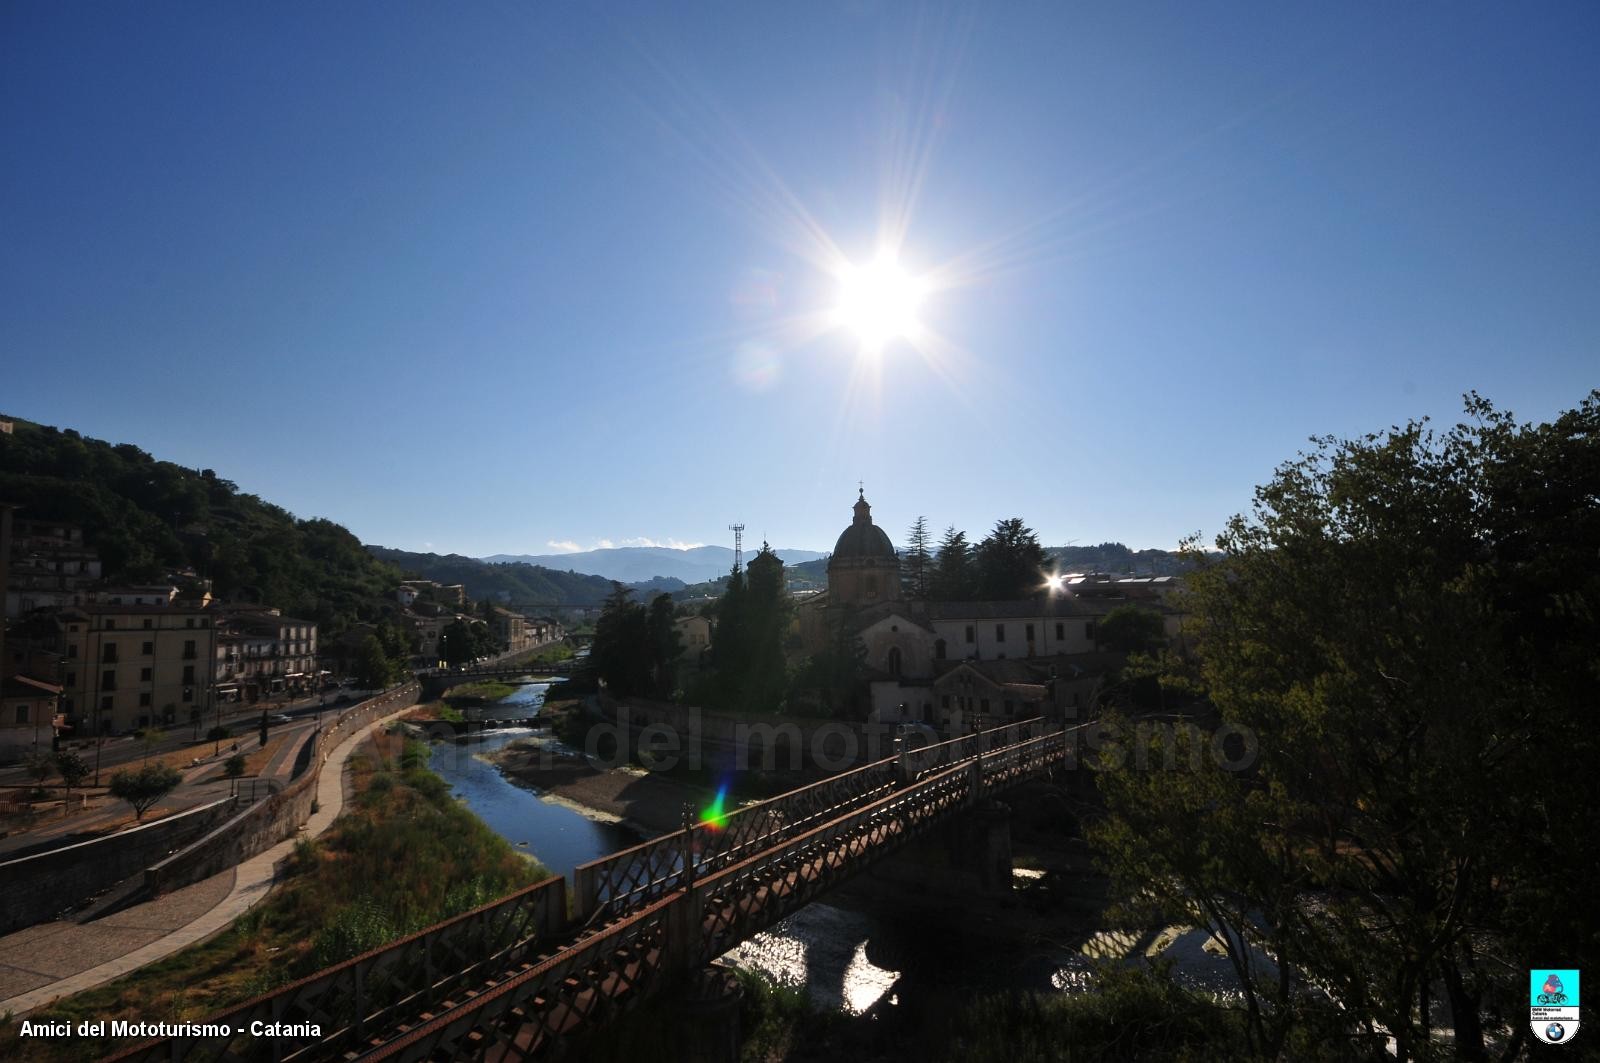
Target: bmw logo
(1555, 1031)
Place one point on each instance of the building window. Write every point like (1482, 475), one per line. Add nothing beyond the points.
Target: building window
(22, 714)
(149, 623)
(1028, 632)
(188, 674)
(944, 701)
(144, 699)
(108, 653)
(971, 634)
(188, 621)
(188, 693)
(894, 661)
(72, 650)
(106, 702)
(72, 679)
(111, 625)
(1061, 632)
(108, 679)
(1088, 629)
(188, 649)
(999, 632)
(144, 675)
(983, 705)
(148, 649)
(939, 650)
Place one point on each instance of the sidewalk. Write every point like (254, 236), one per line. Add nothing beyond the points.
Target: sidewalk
(52, 960)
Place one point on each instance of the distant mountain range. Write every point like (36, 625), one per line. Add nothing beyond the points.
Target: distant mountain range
(634, 564)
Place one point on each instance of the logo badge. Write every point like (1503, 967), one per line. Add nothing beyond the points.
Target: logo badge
(1553, 1004)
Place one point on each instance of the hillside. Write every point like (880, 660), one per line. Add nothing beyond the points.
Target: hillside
(146, 517)
(1119, 559)
(632, 564)
(523, 586)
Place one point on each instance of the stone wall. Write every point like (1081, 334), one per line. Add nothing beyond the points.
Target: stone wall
(41, 886)
(266, 823)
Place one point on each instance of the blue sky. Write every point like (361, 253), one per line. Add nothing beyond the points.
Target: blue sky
(490, 277)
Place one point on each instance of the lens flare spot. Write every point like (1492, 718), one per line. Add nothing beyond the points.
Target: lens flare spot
(715, 815)
(757, 366)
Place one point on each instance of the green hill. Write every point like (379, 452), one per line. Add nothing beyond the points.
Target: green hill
(146, 517)
(526, 587)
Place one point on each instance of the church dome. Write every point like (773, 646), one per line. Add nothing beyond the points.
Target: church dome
(863, 540)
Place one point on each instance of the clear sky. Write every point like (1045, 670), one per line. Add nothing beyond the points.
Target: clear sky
(488, 277)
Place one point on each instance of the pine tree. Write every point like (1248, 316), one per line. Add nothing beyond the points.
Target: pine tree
(953, 578)
(918, 559)
(1009, 562)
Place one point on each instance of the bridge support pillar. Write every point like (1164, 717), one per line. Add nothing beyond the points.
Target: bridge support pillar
(982, 846)
(710, 1018)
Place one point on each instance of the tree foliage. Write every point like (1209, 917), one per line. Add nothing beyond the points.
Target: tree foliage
(144, 787)
(464, 641)
(1409, 623)
(918, 561)
(636, 647)
(71, 768)
(1131, 629)
(954, 578)
(1010, 562)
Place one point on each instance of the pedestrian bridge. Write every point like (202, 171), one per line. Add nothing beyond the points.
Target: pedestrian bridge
(515, 978)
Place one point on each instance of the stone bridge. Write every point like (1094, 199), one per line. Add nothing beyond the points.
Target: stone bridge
(516, 978)
(436, 681)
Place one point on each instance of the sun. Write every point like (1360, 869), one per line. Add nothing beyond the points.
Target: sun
(878, 301)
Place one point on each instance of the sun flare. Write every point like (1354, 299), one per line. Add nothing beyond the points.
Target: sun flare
(878, 301)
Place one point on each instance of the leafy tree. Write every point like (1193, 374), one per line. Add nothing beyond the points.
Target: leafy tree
(832, 677)
(622, 653)
(143, 788)
(1010, 562)
(1131, 629)
(233, 768)
(664, 645)
(1408, 622)
(41, 766)
(372, 665)
(918, 561)
(954, 578)
(149, 738)
(72, 770)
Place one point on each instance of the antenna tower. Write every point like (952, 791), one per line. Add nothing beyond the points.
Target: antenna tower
(738, 546)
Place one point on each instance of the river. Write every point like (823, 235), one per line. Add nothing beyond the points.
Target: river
(822, 946)
(846, 958)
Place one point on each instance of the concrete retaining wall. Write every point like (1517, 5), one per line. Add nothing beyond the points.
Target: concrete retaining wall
(41, 886)
(266, 823)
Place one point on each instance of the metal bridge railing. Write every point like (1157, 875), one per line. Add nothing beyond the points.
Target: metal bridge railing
(375, 991)
(674, 907)
(614, 885)
(701, 918)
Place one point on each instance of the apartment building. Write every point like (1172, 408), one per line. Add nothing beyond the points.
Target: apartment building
(132, 666)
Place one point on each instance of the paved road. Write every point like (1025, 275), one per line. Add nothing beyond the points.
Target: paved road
(240, 719)
(83, 825)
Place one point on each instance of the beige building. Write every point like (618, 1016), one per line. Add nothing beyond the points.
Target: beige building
(134, 665)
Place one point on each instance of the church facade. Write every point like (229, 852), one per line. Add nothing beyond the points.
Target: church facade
(958, 666)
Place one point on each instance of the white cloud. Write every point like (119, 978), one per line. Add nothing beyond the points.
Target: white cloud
(569, 546)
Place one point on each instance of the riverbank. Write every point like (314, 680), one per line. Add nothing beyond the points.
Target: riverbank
(640, 800)
(405, 855)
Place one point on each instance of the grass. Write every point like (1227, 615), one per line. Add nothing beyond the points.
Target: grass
(405, 855)
(488, 690)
